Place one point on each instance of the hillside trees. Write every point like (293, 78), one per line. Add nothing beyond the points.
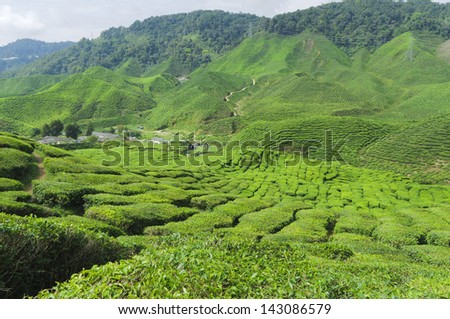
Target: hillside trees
(72, 131)
(356, 24)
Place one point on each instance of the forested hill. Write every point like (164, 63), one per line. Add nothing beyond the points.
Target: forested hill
(185, 41)
(356, 24)
(180, 43)
(26, 50)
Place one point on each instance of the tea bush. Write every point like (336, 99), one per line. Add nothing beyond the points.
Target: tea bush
(14, 164)
(36, 253)
(10, 142)
(134, 218)
(60, 194)
(7, 184)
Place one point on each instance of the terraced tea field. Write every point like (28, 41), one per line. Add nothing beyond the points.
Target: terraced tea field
(326, 219)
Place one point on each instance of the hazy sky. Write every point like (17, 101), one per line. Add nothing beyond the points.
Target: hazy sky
(60, 20)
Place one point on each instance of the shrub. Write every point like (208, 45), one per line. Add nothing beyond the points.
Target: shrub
(25, 209)
(211, 201)
(51, 151)
(134, 218)
(439, 238)
(60, 194)
(10, 142)
(70, 165)
(397, 235)
(14, 164)
(310, 227)
(7, 184)
(36, 253)
(331, 251)
(90, 224)
(434, 255)
(266, 221)
(356, 223)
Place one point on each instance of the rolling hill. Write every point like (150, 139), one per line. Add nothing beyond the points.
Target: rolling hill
(322, 152)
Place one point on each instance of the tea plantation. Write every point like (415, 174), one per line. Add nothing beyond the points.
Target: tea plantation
(294, 169)
(218, 231)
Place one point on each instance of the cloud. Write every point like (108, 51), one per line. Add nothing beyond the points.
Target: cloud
(14, 25)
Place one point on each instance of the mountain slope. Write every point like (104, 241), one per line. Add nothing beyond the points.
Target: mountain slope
(191, 39)
(97, 94)
(421, 151)
(186, 41)
(26, 51)
(410, 59)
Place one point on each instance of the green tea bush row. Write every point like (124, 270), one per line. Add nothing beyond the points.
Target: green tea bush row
(190, 267)
(64, 165)
(310, 226)
(10, 142)
(60, 194)
(36, 253)
(439, 238)
(267, 221)
(14, 164)
(134, 218)
(25, 209)
(7, 184)
(357, 223)
(434, 255)
(50, 151)
(208, 202)
(89, 224)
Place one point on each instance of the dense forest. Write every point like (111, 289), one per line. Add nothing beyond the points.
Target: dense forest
(356, 24)
(188, 40)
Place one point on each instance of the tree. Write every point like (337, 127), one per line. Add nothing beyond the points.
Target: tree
(72, 131)
(89, 129)
(45, 130)
(56, 128)
(35, 132)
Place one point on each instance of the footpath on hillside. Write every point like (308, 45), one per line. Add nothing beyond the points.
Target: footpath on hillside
(41, 174)
(227, 98)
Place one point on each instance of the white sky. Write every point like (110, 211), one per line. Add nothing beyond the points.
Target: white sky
(61, 20)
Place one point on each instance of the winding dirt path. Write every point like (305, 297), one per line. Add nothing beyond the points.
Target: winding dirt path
(227, 98)
(41, 172)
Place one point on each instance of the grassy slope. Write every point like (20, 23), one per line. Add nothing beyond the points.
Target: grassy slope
(421, 150)
(95, 94)
(26, 85)
(196, 101)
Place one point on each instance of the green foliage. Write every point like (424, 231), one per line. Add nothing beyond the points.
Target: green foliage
(389, 18)
(15, 143)
(36, 253)
(134, 218)
(72, 165)
(7, 184)
(27, 85)
(309, 227)
(51, 151)
(89, 224)
(21, 203)
(60, 194)
(55, 128)
(72, 131)
(208, 202)
(213, 268)
(15, 164)
(439, 238)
